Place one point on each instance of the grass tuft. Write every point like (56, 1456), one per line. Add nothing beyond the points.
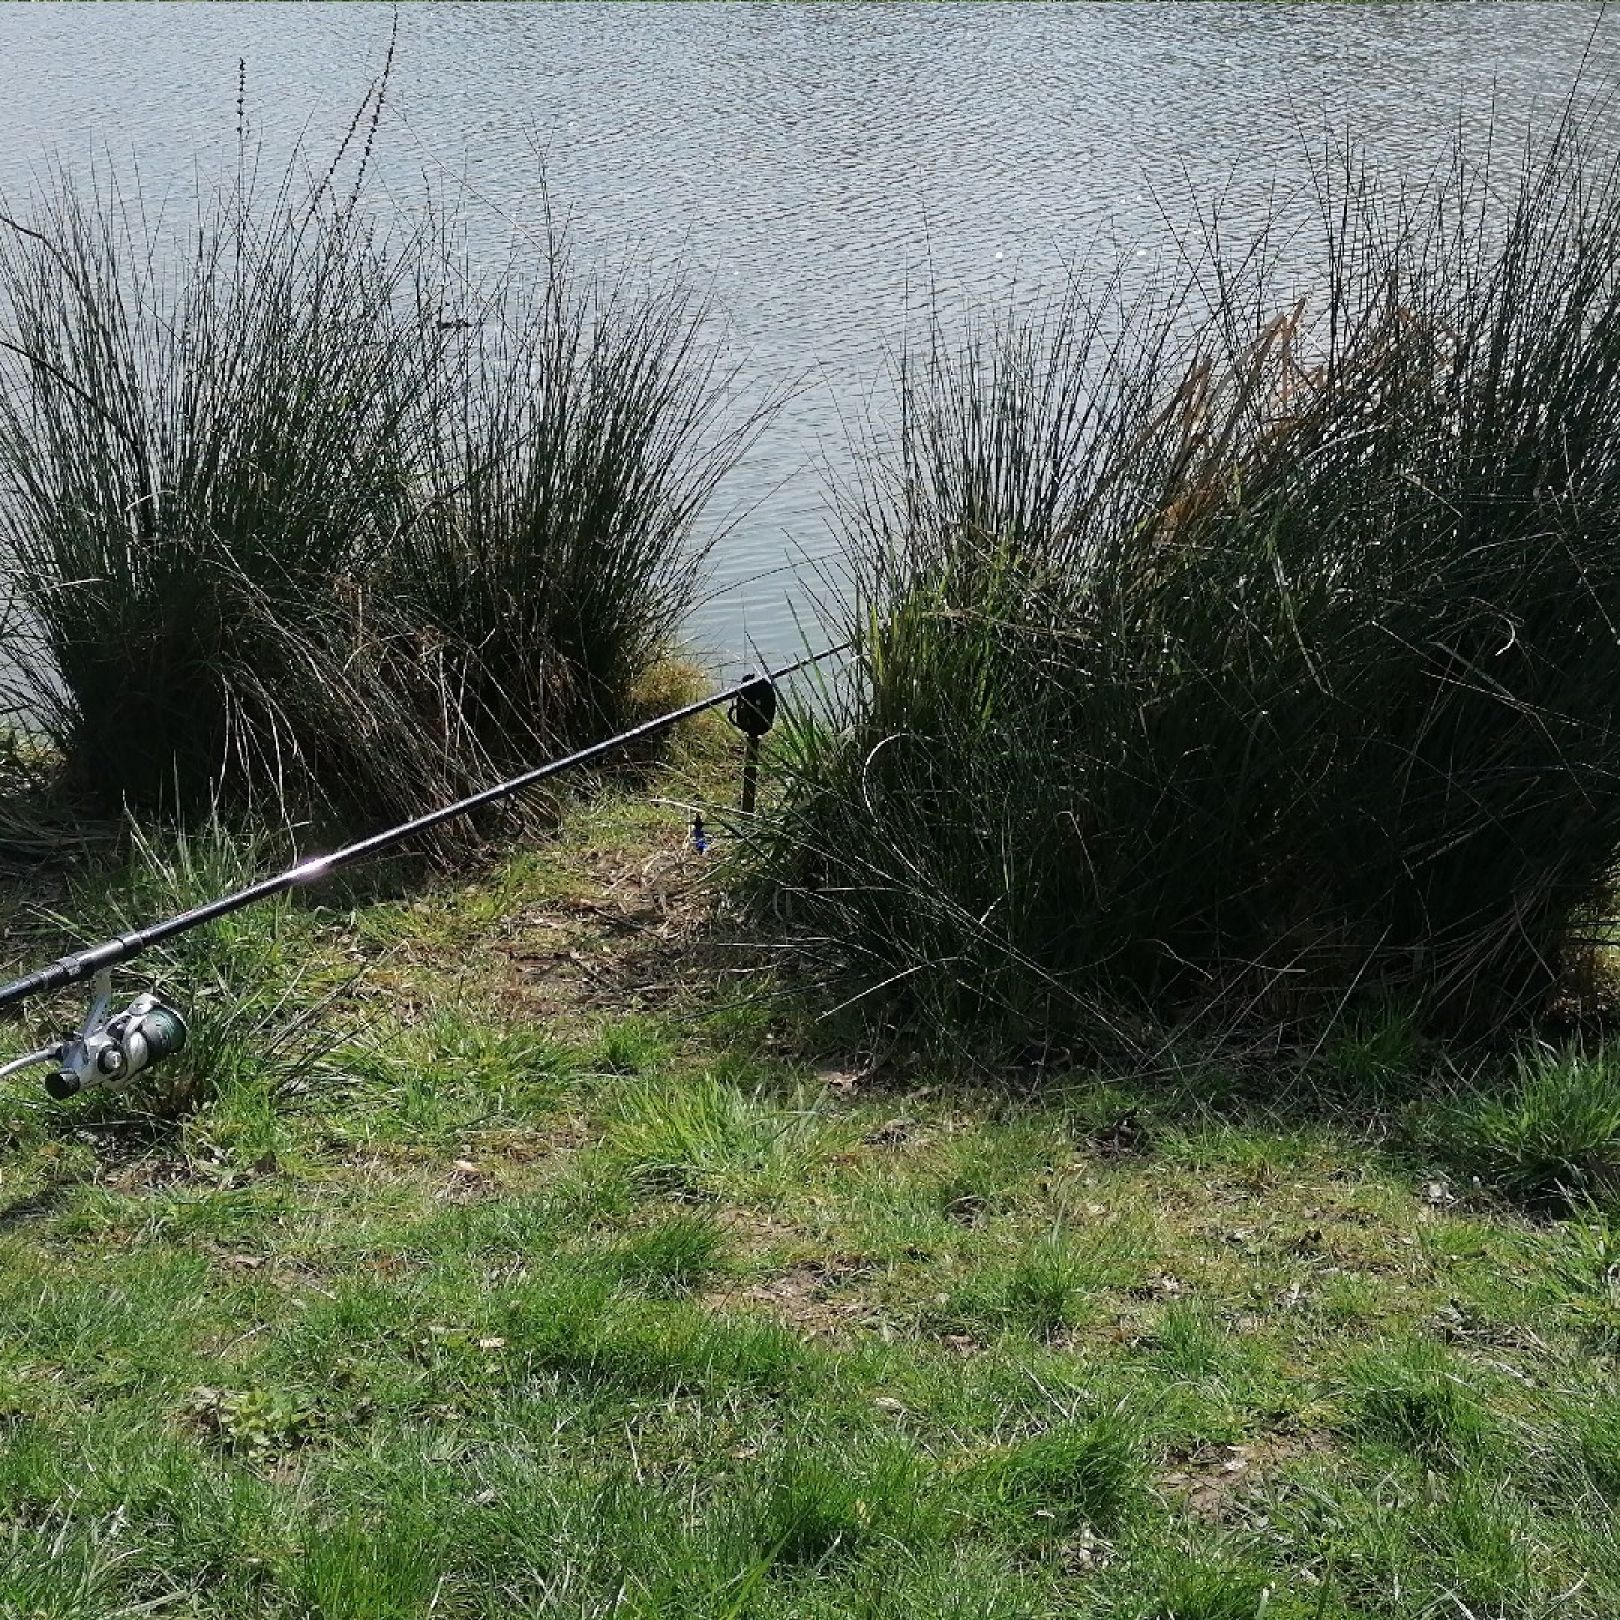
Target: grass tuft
(1217, 1588)
(262, 1021)
(1047, 1287)
(1413, 1396)
(817, 1511)
(1548, 1133)
(1084, 1474)
(302, 521)
(706, 1138)
(675, 1257)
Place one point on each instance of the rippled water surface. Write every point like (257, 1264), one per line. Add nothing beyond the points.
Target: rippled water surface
(819, 166)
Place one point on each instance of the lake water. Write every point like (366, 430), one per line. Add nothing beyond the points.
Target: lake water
(819, 167)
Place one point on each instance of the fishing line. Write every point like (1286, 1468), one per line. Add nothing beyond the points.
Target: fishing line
(114, 1049)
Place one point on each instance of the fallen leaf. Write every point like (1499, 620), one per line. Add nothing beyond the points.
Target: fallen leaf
(845, 1080)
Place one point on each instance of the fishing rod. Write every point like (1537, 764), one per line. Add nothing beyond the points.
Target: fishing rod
(113, 1049)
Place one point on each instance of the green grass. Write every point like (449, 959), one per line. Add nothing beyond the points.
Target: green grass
(1549, 1132)
(573, 1276)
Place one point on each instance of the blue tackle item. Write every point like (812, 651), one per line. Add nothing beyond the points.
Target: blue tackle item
(700, 838)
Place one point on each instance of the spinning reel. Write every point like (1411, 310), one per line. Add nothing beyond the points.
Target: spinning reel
(107, 1051)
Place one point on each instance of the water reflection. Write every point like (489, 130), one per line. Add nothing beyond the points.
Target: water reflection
(822, 168)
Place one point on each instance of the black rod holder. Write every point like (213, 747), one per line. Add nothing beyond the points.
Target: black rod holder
(753, 712)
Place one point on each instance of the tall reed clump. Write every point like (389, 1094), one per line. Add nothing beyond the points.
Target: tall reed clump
(305, 519)
(207, 455)
(1236, 665)
(588, 427)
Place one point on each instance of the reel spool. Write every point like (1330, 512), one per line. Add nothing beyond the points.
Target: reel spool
(108, 1051)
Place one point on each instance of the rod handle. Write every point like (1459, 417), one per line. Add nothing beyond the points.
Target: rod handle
(66, 970)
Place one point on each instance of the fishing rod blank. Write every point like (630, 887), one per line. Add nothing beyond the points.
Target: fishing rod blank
(106, 1050)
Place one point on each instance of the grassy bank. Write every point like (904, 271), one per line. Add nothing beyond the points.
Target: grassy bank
(557, 1268)
(1050, 1170)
